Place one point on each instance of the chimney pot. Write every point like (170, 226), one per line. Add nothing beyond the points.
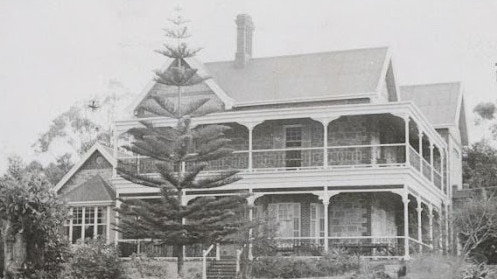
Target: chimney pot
(245, 29)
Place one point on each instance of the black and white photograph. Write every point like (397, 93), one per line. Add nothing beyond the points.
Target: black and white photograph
(237, 139)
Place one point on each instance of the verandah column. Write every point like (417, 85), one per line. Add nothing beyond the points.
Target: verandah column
(326, 204)
(250, 162)
(325, 123)
(419, 209)
(440, 230)
(442, 170)
(430, 225)
(420, 150)
(405, 200)
(446, 232)
(250, 127)
(115, 142)
(250, 202)
(431, 163)
(406, 121)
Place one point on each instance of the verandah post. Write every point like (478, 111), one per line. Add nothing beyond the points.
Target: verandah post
(405, 200)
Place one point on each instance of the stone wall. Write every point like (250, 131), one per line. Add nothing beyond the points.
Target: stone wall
(383, 215)
(349, 215)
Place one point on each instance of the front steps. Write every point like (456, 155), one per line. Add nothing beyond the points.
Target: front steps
(222, 269)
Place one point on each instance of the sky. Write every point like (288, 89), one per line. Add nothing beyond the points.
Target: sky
(56, 52)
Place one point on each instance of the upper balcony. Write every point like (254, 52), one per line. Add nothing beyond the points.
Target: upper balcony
(379, 136)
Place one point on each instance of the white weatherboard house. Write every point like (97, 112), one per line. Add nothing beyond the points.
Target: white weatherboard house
(327, 143)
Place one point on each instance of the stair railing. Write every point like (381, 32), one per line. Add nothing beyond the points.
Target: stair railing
(204, 258)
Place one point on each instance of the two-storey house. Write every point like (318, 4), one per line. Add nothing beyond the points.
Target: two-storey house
(329, 145)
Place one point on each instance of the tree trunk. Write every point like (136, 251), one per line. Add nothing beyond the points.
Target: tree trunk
(181, 260)
(15, 251)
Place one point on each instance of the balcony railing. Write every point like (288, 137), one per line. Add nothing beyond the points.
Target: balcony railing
(426, 169)
(128, 247)
(414, 158)
(305, 158)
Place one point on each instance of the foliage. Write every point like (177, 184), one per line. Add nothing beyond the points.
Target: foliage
(476, 271)
(95, 260)
(264, 241)
(73, 128)
(485, 110)
(480, 167)
(53, 171)
(475, 221)
(335, 263)
(1, 253)
(485, 115)
(146, 267)
(181, 153)
(338, 261)
(31, 214)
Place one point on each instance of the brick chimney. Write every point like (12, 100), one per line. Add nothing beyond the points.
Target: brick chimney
(245, 28)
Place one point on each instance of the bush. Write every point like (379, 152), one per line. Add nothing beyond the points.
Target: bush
(334, 263)
(1, 254)
(95, 260)
(338, 261)
(142, 266)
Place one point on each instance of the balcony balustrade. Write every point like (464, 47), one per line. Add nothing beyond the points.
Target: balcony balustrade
(366, 246)
(292, 159)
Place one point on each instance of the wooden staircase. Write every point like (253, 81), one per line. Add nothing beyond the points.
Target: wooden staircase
(222, 269)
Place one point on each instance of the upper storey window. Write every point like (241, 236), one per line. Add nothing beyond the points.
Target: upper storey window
(293, 139)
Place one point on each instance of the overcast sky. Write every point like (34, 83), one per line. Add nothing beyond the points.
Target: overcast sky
(53, 53)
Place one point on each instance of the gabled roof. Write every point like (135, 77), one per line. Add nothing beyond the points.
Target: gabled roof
(97, 147)
(93, 189)
(442, 103)
(317, 76)
(332, 75)
(208, 85)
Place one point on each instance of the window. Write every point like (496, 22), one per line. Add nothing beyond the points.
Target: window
(287, 217)
(293, 139)
(86, 222)
(317, 221)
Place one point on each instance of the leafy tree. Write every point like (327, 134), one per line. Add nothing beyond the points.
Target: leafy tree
(475, 221)
(54, 171)
(480, 166)
(74, 130)
(84, 123)
(181, 153)
(31, 219)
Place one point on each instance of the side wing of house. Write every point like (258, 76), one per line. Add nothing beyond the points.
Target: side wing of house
(88, 191)
(443, 105)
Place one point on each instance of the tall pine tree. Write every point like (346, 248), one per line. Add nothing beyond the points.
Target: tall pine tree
(181, 154)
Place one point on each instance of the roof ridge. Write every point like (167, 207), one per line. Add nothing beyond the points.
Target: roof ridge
(435, 83)
(303, 54)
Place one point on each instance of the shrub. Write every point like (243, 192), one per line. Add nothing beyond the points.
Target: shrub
(476, 271)
(146, 267)
(338, 261)
(95, 260)
(334, 263)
